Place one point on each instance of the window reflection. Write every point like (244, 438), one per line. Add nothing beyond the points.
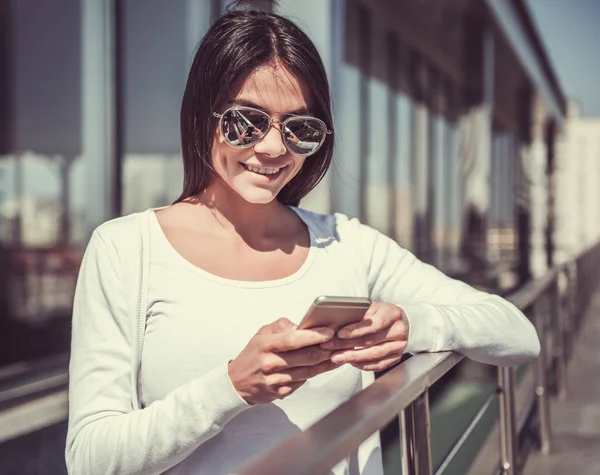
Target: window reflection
(41, 231)
(502, 233)
(41, 178)
(153, 34)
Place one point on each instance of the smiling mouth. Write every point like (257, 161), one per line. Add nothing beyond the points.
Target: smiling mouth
(269, 172)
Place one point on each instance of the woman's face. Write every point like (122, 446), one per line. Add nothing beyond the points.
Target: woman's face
(249, 172)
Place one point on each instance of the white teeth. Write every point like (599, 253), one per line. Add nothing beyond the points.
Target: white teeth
(263, 171)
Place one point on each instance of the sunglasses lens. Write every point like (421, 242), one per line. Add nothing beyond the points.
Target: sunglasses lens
(304, 136)
(244, 127)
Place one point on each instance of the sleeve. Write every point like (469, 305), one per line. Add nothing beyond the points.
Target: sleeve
(443, 313)
(105, 433)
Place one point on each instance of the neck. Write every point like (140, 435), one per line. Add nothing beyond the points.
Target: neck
(251, 221)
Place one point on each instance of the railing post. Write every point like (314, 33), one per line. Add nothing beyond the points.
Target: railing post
(573, 308)
(508, 421)
(567, 309)
(560, 334)
(541, 383)
(406, 440)
(578, 293)
(415, 437)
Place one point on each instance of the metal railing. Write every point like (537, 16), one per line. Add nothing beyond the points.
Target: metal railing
(403, 392)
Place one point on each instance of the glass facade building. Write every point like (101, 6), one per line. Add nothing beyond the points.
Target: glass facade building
(430, 145)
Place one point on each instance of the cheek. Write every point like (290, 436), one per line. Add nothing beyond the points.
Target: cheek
(298, 164)
(216, 152)
(225, 157)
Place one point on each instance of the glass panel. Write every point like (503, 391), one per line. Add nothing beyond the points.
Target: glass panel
(502, 227)
(455, 183)
(155, 32)
(420, 169)
(440, 194)
(377, 157)
(453, 407)
(42, 197)
(403, 182)
(346, 176)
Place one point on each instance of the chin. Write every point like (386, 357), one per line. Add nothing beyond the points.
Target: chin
(258, 196)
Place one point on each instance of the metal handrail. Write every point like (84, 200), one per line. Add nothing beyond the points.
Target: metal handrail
(403, 392)
(526, 296)
(371, 409)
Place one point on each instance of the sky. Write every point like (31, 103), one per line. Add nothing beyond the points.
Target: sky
(570, 30)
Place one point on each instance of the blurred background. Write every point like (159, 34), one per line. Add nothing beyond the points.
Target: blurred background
(465, 130)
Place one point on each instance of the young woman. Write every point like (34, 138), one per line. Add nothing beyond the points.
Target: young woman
(185, 354)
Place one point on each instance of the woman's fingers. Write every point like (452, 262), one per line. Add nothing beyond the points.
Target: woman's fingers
(278, 326)
(310, 356)
(296, 339)
(287, 389)
(279, 345)
(368, 340)
(371, 354)
(397, 331)
(379, 317)
(378, 365)
(301, 374)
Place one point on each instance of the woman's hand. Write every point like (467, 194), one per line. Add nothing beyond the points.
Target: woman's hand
(278, 360)
(375, 343)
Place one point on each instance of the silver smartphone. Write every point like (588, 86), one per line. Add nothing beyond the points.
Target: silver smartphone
(335, 312)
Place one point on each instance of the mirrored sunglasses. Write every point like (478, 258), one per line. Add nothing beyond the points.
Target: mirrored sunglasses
(243, 127)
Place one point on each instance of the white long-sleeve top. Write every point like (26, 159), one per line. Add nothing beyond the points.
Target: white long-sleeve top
(152, 334)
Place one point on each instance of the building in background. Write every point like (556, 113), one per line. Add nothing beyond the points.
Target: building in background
(451, 138)
(576, 185)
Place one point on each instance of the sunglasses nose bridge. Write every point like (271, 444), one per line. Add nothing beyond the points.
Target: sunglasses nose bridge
(273, 122)
(271, 143)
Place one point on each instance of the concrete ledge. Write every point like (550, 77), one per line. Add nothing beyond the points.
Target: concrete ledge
(33, 415)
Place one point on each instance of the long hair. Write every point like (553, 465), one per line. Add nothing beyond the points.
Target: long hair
(234, 46)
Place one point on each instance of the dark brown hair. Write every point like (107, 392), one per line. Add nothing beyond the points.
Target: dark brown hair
(234, 46)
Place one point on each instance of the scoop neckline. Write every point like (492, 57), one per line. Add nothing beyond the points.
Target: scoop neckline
(302, 270)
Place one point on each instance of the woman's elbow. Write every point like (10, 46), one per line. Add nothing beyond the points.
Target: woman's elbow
(531, 349)
(526, 347)
(531, 341)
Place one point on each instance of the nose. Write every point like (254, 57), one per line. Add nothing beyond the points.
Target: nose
(271, 144)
